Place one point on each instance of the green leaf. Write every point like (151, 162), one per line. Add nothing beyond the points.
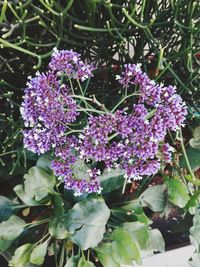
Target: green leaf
(86, 221)
(194, 261)
(154, 197)
(135, 208)
(80, 170)
(37, 186)
(84, 263)
(156, 240)
(139, 233)
(57, 229)
(195, 142)
(104, 254)
(177, 192)
(7, 208)
(124, 250)
(193, 155)
(72, 262)
(195, 239)
(44, 163)
(193, 202)
(24, 196)
(71, 198)
(58, 205)
(38, 254)
(21, 256)
(111, 180)
(10, 230)
(195, 230)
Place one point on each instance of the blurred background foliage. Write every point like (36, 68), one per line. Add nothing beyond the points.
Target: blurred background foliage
(162, 35)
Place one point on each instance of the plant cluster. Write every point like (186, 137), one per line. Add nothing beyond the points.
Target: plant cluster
(95, 131)
(93, 151)
(131, 139)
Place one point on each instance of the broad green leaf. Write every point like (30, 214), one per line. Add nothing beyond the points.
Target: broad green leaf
(104, 254)
(44, 163)
(195, 239)
(111, 180)
(177, 192)
(10, 230)
(156, 240)
(195, 142)
(124, 250)
(57, 229)
(71, 198)
(193, 155)
(84, 263)
(58, 205)
(194, 261)
(80, 170)
(122, 215)
(193, 202)
(135, 208)
(21, 256)
(154, 197)
(37, 186)
(139, 233)
(86, 221)
(7, 208)
(195, 230)
(72, 262)
(26, 198)
(38, 254)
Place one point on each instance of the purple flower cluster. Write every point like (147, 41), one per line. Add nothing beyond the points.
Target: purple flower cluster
(67, 166)
(70, 63)
(46, 111)
(132, 140)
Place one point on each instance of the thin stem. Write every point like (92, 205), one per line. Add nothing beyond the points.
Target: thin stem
(82, 93)
(74, 131)
(62, 255)
(82, 97)
(9, 152)
(91, 110)
(102, 106)
(122, 100)
(6, 43)
(33, 224)
(40, 241)
(124, 186)
(71, 85)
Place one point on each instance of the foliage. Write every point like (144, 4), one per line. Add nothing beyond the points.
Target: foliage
(112, 228)
(194, 239)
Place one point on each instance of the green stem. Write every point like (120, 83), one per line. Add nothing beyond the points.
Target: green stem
(3, 11)
(134, 22)
(49, 8)
(71, 85)
(91, 110)
(9, 152)
(122, 100)
(33, 224)
(62, 255)
(74, 131)
(82, 93)
(6, 43)
(124, 186)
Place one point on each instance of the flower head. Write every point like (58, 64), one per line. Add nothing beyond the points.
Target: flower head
(47, 109)
(70, 63)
